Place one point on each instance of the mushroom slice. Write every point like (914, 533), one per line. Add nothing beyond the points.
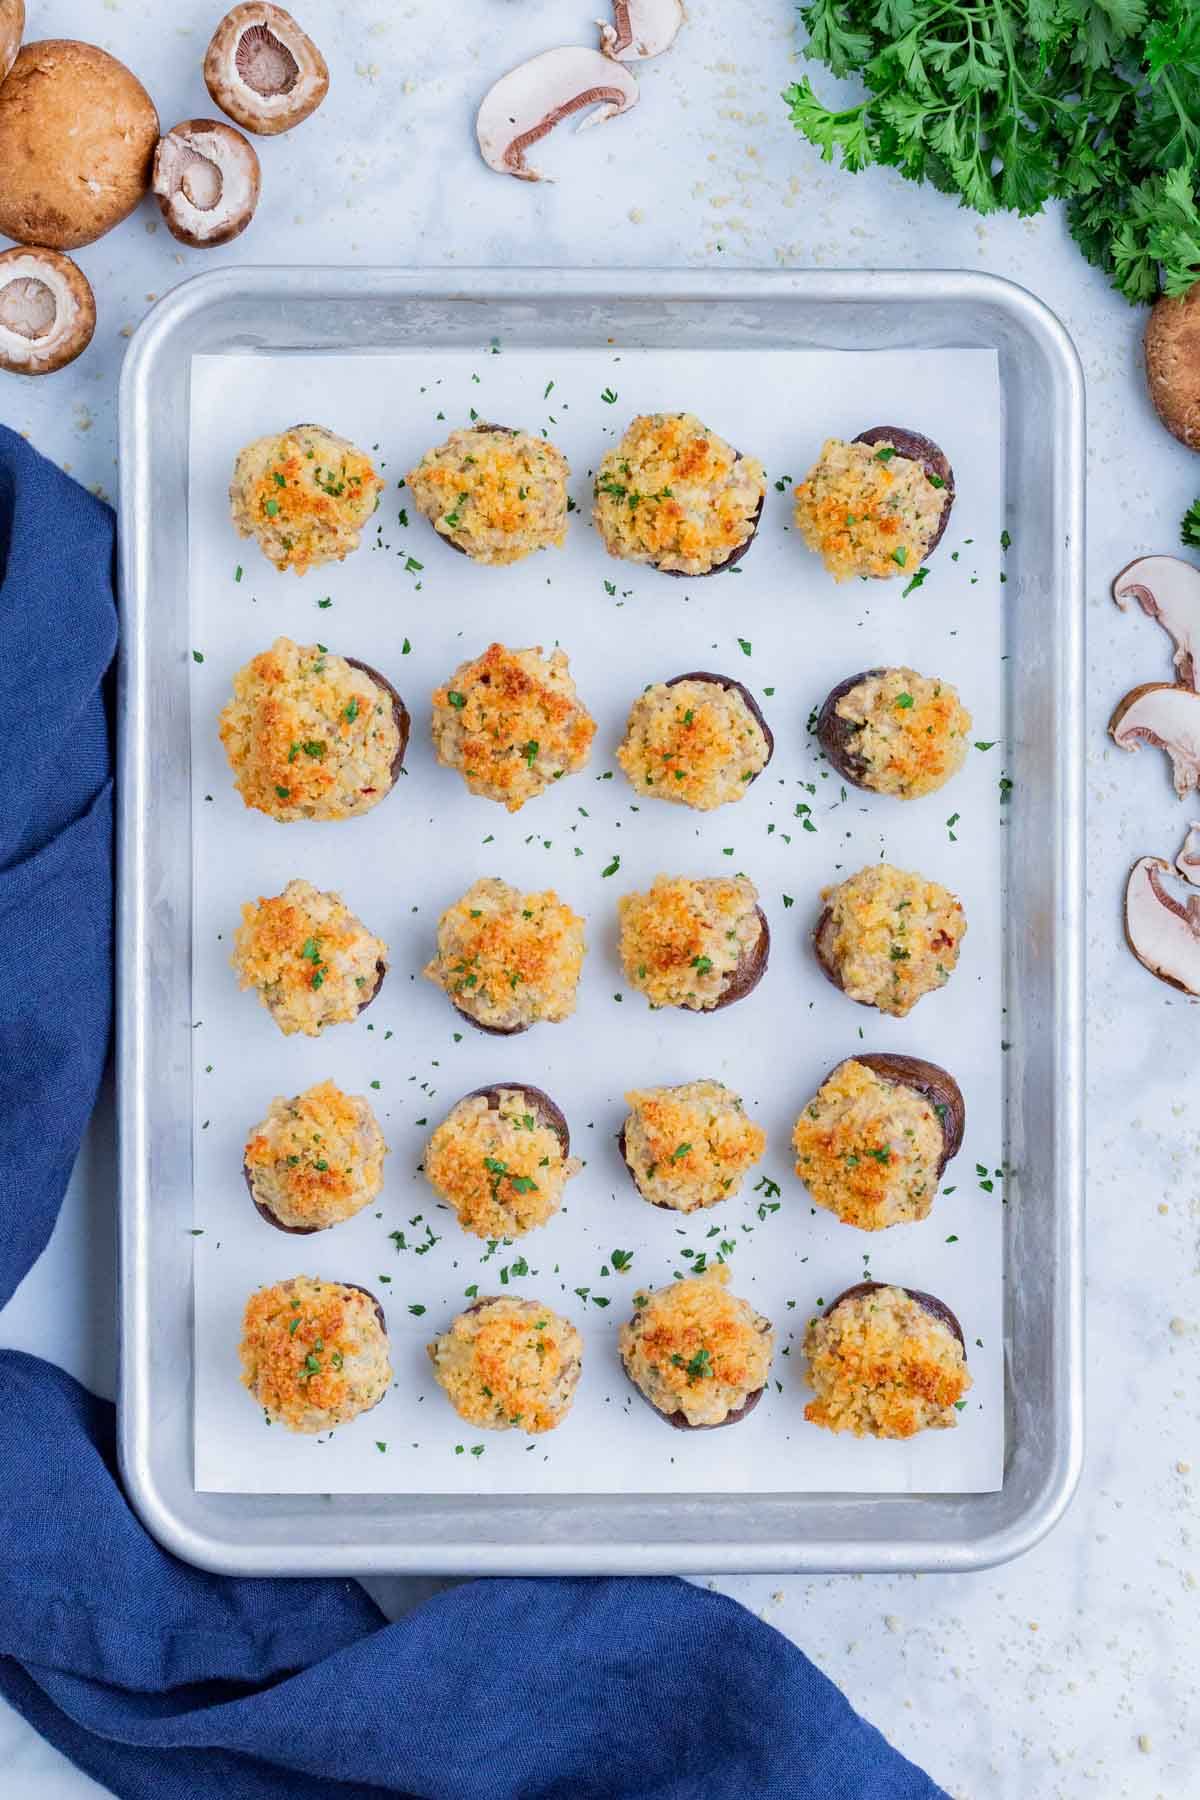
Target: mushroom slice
(12, 29)
(206, 176)
(528, 102)
(47, 311)
(1188, 860)
(1168, 717)
(1162, 932)
(1167, 589)
(640, 29)
(263, 70)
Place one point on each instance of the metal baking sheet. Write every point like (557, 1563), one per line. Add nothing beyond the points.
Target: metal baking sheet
(298, 311)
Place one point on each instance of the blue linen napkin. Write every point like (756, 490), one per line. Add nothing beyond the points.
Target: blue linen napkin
(165, 1683)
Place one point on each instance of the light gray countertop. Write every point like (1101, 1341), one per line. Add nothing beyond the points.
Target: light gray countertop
(1063, 1675)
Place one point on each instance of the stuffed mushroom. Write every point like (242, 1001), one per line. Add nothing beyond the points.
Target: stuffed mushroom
(509, 1363)
(886, 937)
(876, 506)
(894, 731)
(698, 740)
(501, 1159)
(873, 1142)
(315, 1160)
(507, 960)
(699, 1355)
(304, 494)
(494, 493)
(312, 735)
(311, 962)
(688, 1147)
(885, 1362)
(314, 1353)
(512, 724)
(698, 944)
(675, 495)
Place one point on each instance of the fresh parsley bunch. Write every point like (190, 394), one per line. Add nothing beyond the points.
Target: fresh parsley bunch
(1010, 103)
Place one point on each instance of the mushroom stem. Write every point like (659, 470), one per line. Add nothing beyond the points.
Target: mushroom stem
(527, 103)
(1167, 589)
(640, 29)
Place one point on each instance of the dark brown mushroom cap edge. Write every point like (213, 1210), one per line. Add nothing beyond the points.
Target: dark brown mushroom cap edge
(932, 458)
(729, 685)
(399, 713)
(934, 1084)
(837, 736)
(545, 1111)
(735, 556)
(936, 1308)
(748, 973)
(679, 1419)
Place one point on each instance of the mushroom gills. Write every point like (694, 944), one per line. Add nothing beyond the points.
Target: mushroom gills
(265, 64)
(263, 69)
(1168, 717)
(1162, 932)
(526, 104)
(640, 29)
(47, 311)
(1167, 589)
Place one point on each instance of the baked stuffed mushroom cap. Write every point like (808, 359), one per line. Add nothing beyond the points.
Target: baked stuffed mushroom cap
(512, 724)
(263, 70)
(494, 493)
(310, 960)
(675, 495)
(313, 735)
(501, 1159)
(509, 960)
(315, 1160)
(698, 740)
(314, 1353)
(696, 1352)
(876, 506)
(508, 1364)
(689, 1146)
(894, 731)
(885, 1362)
(887, 936)
(698, 944)
(873, 1142)
(47, 311)
(304, 495)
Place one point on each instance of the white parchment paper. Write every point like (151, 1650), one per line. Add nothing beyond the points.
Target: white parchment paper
(413, 608)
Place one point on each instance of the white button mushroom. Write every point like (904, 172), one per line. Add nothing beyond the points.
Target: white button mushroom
(1167, 717)
(263, 70)
(1167, 589)
(47, 311)
(537, 95)
(206, 177)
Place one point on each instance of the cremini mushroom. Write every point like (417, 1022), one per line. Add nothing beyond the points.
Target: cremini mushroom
(12, 28)
(206, 176)
(533, 98)
(1167, 589)
(263, 70)
(77, 137)
(1173, 364)
(47, 311)
(1162, 932)
(1169, 718)
(1188, 860)
(640, 29)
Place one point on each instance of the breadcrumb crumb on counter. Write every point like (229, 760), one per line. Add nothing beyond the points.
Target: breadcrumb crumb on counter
(682, 942)
(310, 960)
(689, 1146)
(867, 510)
(314, 1354)
(509, 959)
(697, 1350)
(868, 1149)
(674, 494)
(509, 1364)
(882, 1365)
(512, 724)
(892, 936)
(501, 1169)
(496, 494)
(316, 1159)
(305, 495)
(693, 742)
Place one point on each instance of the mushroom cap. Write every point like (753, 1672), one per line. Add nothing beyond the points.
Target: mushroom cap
(1167, 589)
(1168, 717)
(47, 311)
(12, 29)
(77, 137)
(1162, 932)
(537, 95)
(263, 70)
(1173, 364)
(206, 177)
(640, 29)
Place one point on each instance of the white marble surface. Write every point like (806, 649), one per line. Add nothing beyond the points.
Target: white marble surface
(1072, 1672)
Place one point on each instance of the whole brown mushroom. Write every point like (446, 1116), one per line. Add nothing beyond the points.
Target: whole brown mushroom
(206, 177)
(1173, 364)
(12, 29)
(263, 70)
(77, 137)
(47, 311)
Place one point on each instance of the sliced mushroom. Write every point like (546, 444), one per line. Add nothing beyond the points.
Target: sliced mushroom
(1162, 932)
(47, 311)
(1188, 860)
(263, 70)
(528, 102)
(12, 28)
(1167, 589)
(1173, 364)
(1169, 718)
(640, 29)
(206, 176)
